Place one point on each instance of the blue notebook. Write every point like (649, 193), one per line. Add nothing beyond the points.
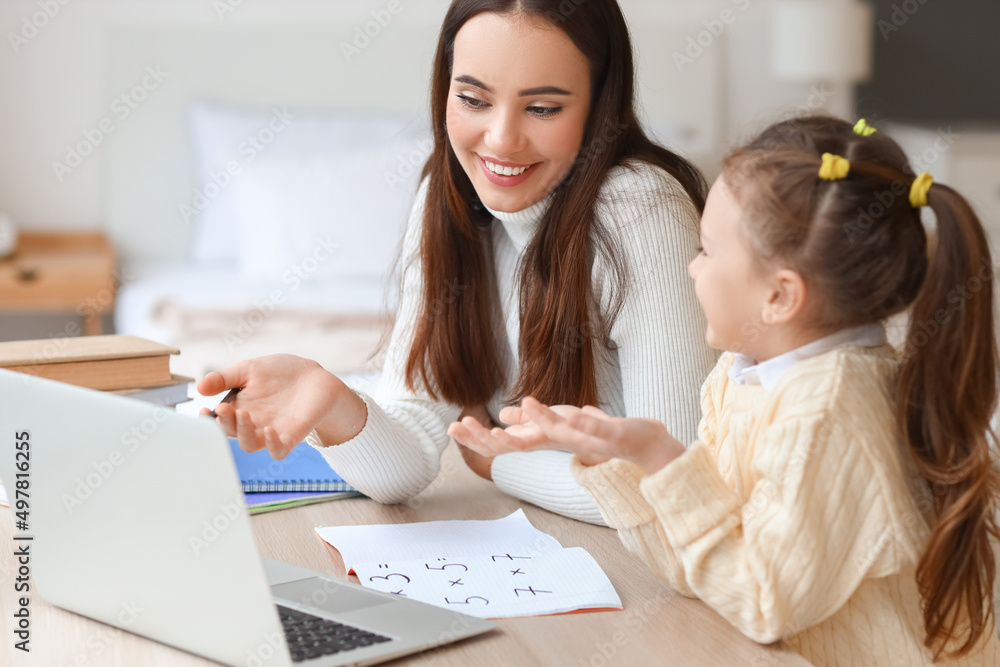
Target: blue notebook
(304, 469)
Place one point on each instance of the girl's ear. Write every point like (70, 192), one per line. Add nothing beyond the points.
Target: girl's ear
(786, 299)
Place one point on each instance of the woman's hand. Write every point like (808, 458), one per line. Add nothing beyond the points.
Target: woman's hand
(589, 433)
(478, 463)
(283, 398)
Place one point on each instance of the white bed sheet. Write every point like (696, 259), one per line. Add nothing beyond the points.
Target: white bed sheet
(217, 317)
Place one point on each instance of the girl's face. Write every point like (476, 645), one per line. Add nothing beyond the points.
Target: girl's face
(517, 107)
(729, 283)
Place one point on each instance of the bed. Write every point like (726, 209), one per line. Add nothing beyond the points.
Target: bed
(296, 221)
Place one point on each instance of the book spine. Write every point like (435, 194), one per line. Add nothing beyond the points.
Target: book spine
(296, 485)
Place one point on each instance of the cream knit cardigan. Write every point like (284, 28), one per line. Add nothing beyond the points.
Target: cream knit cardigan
(797, 516)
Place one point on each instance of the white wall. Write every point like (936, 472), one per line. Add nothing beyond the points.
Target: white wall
(56, 85)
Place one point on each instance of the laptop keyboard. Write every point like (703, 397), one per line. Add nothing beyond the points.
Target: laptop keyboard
(310, 636)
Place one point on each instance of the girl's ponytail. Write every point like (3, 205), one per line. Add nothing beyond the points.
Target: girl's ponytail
(947, 395)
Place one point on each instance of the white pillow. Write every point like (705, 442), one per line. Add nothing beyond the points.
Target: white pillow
(324, 217)
(241, 138)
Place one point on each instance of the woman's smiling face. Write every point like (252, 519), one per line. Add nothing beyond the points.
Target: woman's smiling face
(517, 107)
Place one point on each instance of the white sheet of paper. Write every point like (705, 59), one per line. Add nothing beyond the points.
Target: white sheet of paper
(489, 569)
(403, 541)
(552, 582)
(3, 497)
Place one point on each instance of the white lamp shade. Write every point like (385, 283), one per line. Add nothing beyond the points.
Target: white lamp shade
(827, 40)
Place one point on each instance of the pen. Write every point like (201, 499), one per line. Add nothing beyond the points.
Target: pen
(228, 399)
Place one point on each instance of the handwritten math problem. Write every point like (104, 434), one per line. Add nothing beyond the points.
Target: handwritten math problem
(510, 573)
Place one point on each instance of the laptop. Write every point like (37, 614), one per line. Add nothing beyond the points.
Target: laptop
(138, 520)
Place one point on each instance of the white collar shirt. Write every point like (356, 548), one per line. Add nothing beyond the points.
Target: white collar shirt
(745, 370)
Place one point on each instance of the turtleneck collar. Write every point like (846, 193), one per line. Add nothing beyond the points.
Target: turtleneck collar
(522, 225)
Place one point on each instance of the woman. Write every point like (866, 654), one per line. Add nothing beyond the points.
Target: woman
(545, 254)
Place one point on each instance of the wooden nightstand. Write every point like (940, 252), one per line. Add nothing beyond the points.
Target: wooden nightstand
(72, 272)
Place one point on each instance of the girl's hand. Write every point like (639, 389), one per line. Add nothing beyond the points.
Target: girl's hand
(589, 433)
(476, 439)
(284, 397)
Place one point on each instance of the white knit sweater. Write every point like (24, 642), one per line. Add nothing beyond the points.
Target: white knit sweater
(656, 371)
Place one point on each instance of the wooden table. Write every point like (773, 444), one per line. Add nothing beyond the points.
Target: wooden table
(70, 272)
(657, 626)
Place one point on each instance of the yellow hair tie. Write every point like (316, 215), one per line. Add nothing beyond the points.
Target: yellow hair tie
(918, 191)
(834, 167)
(864, 129)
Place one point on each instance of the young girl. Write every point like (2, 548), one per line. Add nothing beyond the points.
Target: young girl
(841, 495)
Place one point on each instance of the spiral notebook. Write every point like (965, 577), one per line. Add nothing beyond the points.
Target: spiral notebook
(304, 469)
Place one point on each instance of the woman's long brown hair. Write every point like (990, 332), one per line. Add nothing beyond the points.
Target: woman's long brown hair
(455, 350)
(862, 245)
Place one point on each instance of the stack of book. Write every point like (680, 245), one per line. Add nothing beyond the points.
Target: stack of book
(126, 365)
